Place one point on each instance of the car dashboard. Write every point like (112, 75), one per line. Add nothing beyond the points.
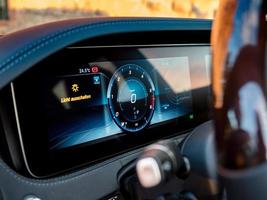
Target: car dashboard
(88, 107)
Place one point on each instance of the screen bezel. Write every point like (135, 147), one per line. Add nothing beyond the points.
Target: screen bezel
(43, 162)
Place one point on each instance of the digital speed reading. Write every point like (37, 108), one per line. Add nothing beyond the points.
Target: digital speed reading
(131, 97)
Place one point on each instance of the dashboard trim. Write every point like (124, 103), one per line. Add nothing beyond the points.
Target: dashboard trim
(126, 46)
(19, 130)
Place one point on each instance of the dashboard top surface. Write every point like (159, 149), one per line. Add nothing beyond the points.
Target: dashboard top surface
(21, 50)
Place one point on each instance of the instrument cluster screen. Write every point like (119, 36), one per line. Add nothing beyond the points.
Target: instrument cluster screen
(85, 104)
(101, 99)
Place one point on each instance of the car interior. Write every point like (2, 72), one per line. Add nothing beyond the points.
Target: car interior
(129, 108)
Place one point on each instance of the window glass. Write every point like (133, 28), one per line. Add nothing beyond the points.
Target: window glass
(19, 14)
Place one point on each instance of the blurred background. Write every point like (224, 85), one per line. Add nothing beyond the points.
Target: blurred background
(19, 14)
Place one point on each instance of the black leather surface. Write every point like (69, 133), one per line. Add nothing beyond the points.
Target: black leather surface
(85, 184)
(21, 50)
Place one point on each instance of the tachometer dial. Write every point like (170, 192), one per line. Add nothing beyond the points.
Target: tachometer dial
(131, 97)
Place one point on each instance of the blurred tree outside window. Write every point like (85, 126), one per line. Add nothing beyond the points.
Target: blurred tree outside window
(26, 13)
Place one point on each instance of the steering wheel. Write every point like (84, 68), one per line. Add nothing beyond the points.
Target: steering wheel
(239, 104)
(239, 97)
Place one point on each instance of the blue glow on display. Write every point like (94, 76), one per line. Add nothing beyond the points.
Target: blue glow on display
(79, 109)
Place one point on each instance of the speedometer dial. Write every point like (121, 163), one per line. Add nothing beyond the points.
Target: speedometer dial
(131, 97)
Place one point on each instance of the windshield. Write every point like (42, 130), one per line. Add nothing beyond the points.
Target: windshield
(19, 14)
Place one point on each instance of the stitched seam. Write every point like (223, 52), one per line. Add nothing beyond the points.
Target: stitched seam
(55, 35)
(30, 49)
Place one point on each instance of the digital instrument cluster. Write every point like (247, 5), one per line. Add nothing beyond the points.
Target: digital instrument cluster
(82, 105)
(107, 98)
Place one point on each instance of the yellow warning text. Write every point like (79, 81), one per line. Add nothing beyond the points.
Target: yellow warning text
(73, 99)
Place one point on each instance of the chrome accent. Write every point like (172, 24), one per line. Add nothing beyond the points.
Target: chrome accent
(19, 129)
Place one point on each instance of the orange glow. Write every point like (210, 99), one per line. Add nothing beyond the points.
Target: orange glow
(171, 8)
(26, 13)
(219, 40)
